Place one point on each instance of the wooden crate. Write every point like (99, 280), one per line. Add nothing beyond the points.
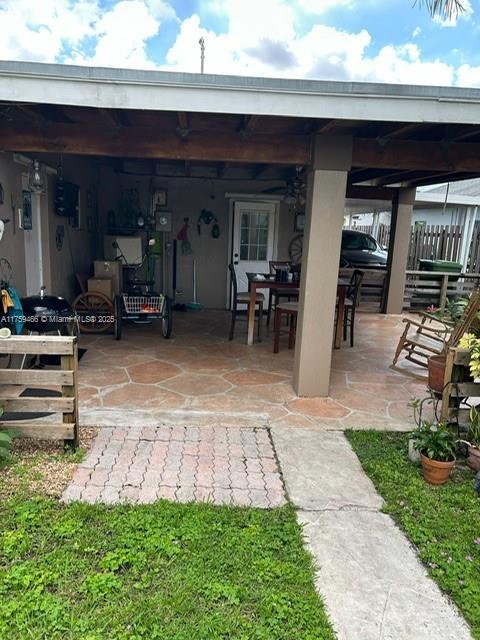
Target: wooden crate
(457, 387)
(66, 427)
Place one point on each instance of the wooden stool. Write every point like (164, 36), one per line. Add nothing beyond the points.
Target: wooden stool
(290, 311)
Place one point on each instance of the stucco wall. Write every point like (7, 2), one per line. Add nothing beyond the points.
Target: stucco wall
(59, 267)
(78, 250)
(12, 243)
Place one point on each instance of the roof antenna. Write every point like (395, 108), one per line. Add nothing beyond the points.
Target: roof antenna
(201, 42)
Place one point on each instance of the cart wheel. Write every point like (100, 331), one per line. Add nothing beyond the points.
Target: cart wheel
(295, 249)
(118, 318)
(94, 311)
(167, 319)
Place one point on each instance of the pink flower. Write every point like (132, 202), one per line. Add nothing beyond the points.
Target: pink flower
(432, 309)
(469, 558)
(477, 541)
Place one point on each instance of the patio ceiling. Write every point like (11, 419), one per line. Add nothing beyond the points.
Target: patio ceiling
(384, 153)
(401, 135)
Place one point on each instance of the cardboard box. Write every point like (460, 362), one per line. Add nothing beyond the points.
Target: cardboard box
(128, 248)
(110, 269)
(101, 285)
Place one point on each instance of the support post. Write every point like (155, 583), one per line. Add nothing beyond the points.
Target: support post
(327, 180)
(400, 231)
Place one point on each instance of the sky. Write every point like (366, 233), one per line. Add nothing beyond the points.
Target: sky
(391, 41)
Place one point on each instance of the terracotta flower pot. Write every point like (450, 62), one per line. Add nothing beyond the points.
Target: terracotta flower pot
(436, 372)
(435, 471)
(473, 459)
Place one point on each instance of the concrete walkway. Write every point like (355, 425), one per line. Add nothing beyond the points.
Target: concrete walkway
(371, 580)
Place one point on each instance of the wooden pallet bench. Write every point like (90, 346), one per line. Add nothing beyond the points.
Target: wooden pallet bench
(65, 427)
(458, 386)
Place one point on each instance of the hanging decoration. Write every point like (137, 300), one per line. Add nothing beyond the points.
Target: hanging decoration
(206, 218)
(37, 177)
(185, 245)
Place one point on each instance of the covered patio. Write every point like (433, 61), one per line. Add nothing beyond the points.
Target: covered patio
(200, 378)
(363, 141)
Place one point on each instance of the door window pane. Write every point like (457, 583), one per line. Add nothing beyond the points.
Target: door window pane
(254, 236)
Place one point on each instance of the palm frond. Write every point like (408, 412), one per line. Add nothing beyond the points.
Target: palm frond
(443, 8)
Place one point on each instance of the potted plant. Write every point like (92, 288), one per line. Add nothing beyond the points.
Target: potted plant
(437, 446)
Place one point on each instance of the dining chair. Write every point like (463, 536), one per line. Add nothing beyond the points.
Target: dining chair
(351, 303)
(277, 293)
(289, 310)
(243, 297)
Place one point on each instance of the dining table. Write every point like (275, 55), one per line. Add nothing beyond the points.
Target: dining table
(267, 281)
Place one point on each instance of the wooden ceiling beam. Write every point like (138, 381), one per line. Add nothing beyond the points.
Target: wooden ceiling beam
(149, 142)
(222, 169)
(32, 113)
(392, 178)
(463, 133)
(183, 127)
(248, 125)
(416, 156)
(401, 131)
(365, 192)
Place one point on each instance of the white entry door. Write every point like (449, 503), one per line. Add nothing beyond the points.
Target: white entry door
(254, 239)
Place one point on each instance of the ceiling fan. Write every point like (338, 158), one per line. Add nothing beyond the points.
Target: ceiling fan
(294, 190)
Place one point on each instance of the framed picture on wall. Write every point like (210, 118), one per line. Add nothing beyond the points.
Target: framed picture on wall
(159, 199)
(299, 225)
(26, 220)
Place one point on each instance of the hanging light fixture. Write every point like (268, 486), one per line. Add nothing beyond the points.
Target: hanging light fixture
(37, 182)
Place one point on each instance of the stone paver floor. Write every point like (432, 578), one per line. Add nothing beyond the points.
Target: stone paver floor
(141, 465)
(200, 378)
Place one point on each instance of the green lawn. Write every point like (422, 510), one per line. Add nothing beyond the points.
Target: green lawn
(169, 571)
(442, 522)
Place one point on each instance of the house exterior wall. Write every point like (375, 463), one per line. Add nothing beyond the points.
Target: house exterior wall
(186, 197)
(58, 266)
(452, 215)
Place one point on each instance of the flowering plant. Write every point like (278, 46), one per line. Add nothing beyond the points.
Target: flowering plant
(435, 441)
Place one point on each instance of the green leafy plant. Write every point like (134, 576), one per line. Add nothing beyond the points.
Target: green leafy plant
(435, 441)
(472, 343)
(6, 439)
(473, 433)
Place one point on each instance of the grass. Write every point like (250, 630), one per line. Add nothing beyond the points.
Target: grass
(442, 522)
(169, 571)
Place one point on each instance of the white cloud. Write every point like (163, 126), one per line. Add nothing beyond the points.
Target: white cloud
(455, 17)
(468, 76)
(416, 32)
(316, 7)
(122, 34)
(38, 30)
(324, 52)
(262, 37)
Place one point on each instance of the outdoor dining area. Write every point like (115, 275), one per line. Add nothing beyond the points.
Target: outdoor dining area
(282, 284)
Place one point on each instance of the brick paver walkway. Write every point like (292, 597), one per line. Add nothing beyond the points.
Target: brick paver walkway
(221, 465)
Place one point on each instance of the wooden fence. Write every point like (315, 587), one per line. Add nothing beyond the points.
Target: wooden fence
(426, 288)
(63, 379)
(435, 242)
